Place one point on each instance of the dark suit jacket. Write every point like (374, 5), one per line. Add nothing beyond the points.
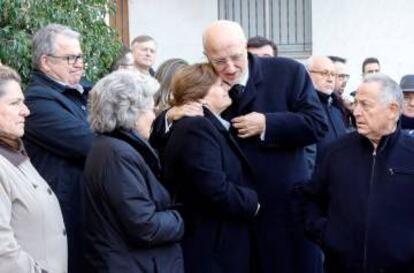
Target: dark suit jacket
(129, 225)
(206, 172)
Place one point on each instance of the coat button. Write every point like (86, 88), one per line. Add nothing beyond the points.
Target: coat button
(64, 232)
(49, 191)
(34, 186)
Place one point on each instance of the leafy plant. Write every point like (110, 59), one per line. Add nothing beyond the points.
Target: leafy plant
(20, 19)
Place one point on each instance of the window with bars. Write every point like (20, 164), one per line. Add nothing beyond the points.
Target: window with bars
(286, 22)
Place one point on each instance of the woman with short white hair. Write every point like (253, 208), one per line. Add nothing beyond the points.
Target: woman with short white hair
(129, 224)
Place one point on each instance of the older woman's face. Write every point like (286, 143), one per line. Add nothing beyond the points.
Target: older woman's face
(217, 97)
(13, 111)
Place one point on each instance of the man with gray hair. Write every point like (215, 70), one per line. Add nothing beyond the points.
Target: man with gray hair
(58, 136)
(361, 210)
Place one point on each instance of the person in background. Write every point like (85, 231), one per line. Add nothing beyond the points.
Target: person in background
(360, 203)
(124, 60)
(370, 65)
(206, 172)
(58, 136)
(341, 100)
(342, 75)
(261, 47)
(164, 74)
(323, 74)
(32, 233)
(407, 118)
(130, 225)
(144, 50)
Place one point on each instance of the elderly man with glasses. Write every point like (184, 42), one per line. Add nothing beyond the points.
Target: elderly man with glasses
(323, 74)
(57, 136)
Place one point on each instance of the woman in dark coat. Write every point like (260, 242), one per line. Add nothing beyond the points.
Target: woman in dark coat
(129, 223)
(207, 173)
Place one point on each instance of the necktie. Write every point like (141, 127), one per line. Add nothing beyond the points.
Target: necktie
(236, 92)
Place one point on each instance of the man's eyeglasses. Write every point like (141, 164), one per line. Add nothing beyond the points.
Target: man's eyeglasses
(70, 59)
(343, 76)
(324, 73)
(222, 62)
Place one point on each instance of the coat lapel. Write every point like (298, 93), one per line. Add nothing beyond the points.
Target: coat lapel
(243, 105)
(229, 138)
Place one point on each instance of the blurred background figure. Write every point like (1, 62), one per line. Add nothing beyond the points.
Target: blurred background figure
(370, 65)
(262, 47)
(33, 236)
(407, 117)
(144, 50)
(130, 226)
(124, 60)
(342, 75)
(164, 74)
(323, 74)
(343, 101)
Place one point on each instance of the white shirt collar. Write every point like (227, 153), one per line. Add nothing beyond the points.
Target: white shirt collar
(245, 78)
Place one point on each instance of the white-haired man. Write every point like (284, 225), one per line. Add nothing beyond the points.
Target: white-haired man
(361, 210)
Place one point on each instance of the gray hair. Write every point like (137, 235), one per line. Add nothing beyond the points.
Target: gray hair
(7, 74)
(141, 39)
(117, 99)
(44, 41)
(390, 89)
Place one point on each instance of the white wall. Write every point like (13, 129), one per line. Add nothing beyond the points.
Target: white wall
(356, 29)
(176, 25)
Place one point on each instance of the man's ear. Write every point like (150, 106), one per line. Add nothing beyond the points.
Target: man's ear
(44, 63)
(395, 110)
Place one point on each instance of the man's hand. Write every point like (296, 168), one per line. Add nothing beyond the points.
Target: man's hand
(190, 109)
(249, 125)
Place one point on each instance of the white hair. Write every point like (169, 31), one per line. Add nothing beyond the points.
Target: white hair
(118, 98)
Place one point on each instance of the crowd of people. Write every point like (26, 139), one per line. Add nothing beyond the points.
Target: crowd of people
(247, 163)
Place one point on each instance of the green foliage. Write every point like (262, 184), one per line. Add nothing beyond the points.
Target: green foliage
(20, 19)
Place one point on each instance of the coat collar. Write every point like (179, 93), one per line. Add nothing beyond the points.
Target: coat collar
(386, 141)
(40, 78)
(325, 98)
(233, 144)
(141, 146)
(249, 93)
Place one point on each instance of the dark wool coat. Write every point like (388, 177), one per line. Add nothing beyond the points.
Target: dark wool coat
(57, 139)
(360, 205)
(129, 223)
(207, 173)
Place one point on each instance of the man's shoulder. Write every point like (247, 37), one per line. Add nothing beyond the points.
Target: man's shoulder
(282, 69)
(346, 142)
(279, 62)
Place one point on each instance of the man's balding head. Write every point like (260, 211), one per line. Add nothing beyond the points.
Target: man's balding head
(225, 46)
(322, 73)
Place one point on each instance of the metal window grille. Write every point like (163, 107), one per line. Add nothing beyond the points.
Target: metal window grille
(286, 22)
